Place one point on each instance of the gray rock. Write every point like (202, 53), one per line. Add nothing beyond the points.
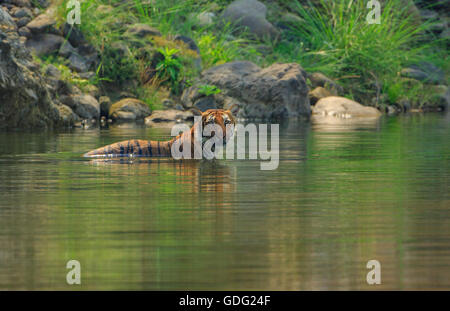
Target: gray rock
(41, 23)
(25, 32)
(142, 30)
(23, 21)
(45, 44)
(52, 71)
(22, 12)
(86, 106)
(67, 116)
(66, 49)
(169, 117)
(73, 34)
(205, 103)
(78, 63)
(250, 14)
(25, 100)
(277, 91)
(129, 109)
(87, 75)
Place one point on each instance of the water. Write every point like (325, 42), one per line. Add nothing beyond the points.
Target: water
(342, 195)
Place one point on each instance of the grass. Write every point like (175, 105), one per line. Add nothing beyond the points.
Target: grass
(336, 39)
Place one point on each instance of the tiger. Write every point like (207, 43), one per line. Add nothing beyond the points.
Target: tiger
(151, 148)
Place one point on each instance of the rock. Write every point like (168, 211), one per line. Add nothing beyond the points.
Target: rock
(25, 32)
(142, 30)
(169, 117)
(20, 3)
(66, 49)
(424, 71)
(205, 18)
(190, 43)
(24, 97)
(21, 22)
(41, 23)
(250, 14)
(168, 103)
(22, 12)
(317, 94)
(86, 106)
(78, 63)
(67, 116)
(205, 103)
(92, 90)
(87, 75)
(53, 72)
(73, 35)
(45, 44)
(340, 107)
(129, 109)
(277, 91)
(320, 80)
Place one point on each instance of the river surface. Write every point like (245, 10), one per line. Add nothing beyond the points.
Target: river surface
(342, 195)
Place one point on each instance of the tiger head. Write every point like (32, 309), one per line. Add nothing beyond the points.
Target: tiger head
(218, 117)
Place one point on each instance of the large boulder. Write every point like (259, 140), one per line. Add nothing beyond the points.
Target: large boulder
(277, 91)
(24, 97)
(129, 109)
(250, 14)
(344, 108)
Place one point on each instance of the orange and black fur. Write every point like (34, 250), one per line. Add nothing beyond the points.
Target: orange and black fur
(149, 148)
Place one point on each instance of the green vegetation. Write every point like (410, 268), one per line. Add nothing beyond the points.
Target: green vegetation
(332, 37)
(168, 69)
(208, 90)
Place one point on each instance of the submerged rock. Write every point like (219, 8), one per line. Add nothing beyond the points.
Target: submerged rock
(344, 108)
(277, 91)
(129, 109)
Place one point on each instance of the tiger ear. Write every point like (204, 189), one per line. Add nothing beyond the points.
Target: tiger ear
(196, 111)
(234, 109)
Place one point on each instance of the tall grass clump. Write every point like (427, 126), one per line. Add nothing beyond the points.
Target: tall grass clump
(336, 39)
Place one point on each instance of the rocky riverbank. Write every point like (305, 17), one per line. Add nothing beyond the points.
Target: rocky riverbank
(51, 72)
